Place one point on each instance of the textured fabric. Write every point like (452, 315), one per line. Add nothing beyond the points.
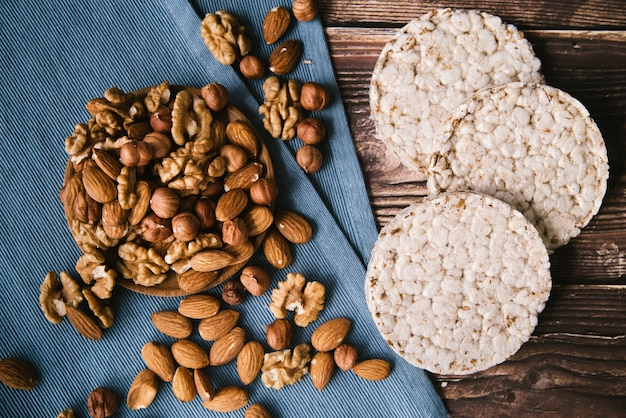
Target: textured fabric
(54, 59)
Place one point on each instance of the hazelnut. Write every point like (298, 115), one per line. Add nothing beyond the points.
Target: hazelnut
(161, 121)
(311, 131)
(155, 229)
(214, 189)
(136, 153)
(309, 158)
(278, 334)
(234, 156)
(164, 202)
(185, 226)
(345, 356)
(255, 279)
(313, 96)
(252, 67)
(234, 231)
(159, 142)
(205, 212)
(187, 203)
(215, 96)
(102, 403)
(233, 292)
(304, 10)
(263, 191)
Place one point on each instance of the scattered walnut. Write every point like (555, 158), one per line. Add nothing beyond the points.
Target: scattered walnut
(66, 413)
(285, 367)
(292, 295)
(225, 37)
(143, 265)
(281, 110)
(56, 294)
(101, 310)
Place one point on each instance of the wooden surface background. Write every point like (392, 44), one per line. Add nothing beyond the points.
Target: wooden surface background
(575, 362)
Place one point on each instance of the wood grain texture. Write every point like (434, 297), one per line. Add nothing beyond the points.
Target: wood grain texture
(575, 362)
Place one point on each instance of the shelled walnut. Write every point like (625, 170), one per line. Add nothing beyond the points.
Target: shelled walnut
(285, 367)
(225, 37)
(293, 295)
(281, 109)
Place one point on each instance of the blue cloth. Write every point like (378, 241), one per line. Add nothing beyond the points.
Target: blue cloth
(56, 57)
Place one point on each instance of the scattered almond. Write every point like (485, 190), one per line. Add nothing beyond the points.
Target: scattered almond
(250, 361)
(199, 306)
(204, 385)
(345, 356)
(172, 324)
(276, 249)
(227, 347)
(258, 219)
(158, 358)
(293, 226)
(256, 410)
(142, 390)
(373, 369)
(84, 323)
(330, 334)
(183, 385)
(227, 399)
(275, 24)
(17, 373)
(217, 326)
(285, 57)
(189, 354)
(322, 369)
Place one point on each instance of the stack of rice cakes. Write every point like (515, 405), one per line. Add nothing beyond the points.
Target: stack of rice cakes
(515, 168)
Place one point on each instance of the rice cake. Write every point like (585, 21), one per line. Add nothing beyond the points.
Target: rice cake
(435, 63)
(456, 281)
(532, 146)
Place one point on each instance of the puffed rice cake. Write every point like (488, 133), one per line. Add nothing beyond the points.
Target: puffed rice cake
(532, 146)
(456, 281)
(431, 66)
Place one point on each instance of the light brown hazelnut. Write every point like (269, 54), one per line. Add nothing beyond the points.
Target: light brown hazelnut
(263, 191)
(278, 334)
(215, 96)
(304, 10)
(234, 156)
(155, 229)
(234, 231)
(255, 279)
(233, 292)
(102, 403)
(164, 202)
(185, 226)
(311, 131)
(205, 212)
(159, 142)
(345, 356)
(252, 67)
(214, 189)
(136, 153)
(313, 96)
(161, 121)
(309, 158)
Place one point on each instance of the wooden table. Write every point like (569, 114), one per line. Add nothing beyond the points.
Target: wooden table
(575, 362)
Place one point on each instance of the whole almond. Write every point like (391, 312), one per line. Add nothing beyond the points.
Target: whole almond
(84, 323)
(330, 334)
(243, 135)
(322, 369)
(183, 385)
(345, 356)
(250, 361)
(158, 358)
(373, 369)
(204, 385)
(241, 252)
(172, 324)
(293, 226)
(140, 208)
(258, 219)
(211, 260)
(227, 399)
(256, 410)
(226, 348)
(245, 177)
(189, 354)
(17, 373)
(113, 213)
(231, 204)
(218, 325)
(99, 186)
(142, 390)
(199, 306)
(278, 334)
(276, 249)
(110, 165)
(193, 281)
(285, 57)
(275, 24)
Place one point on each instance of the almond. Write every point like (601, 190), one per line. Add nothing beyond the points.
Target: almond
(211, 260)
(244, 177)
(345, 356)
(227, 399)
(84, 323)
(330, 334)
(193, 281)
(322, 369)
(199, 306)
(226, 348)
(242, 252)
(250, 361)
(142, 390)
(373, 369)
(204, 385)
(276, 249)
(231, 204)
(258, 219)
(158, 358)
(99, 186)
(293, 226)
(183, 385)
(217, 326)
(275, 24)
(172, 324)
(110, 165)
(256, 410)
(243, 135)
(17, 373)
(285, 57)
(140, 208)
(189, 354)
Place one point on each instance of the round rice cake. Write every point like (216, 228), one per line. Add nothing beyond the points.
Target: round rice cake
(532, 146)
(432, 65)
(456, 281)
